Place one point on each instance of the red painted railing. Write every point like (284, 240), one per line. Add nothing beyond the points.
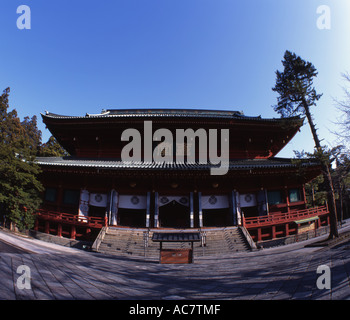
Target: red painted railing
(92, 222)
(280, 218)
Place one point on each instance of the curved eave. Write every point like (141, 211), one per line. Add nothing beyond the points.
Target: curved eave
(110, 164)
(167, 113)
(64, 128)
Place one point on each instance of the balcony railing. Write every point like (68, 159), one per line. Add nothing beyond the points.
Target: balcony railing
(280, 218)
(92, 222)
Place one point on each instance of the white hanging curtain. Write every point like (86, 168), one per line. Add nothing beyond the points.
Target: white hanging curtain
(98, 200)
(215, 202)
(183, 200)
(113, 207)
(83, 204)
(132, 202)
(238, 209)
(247, 200)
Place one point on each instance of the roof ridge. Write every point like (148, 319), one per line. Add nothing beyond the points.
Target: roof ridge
(171, 112)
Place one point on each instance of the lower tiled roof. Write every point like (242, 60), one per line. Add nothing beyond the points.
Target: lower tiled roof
(240, 164)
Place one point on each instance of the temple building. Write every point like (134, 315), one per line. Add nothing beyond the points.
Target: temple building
(95, 187)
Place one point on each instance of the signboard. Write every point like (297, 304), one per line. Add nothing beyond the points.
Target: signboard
(306, 227)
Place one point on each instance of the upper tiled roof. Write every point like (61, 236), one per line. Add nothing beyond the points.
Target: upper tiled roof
(184, 113)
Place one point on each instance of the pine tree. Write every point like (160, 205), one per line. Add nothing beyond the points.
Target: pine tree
(296, 95)
(52, 149)
(32, 135)
(19, 186)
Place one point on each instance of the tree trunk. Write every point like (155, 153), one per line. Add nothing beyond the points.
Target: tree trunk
(312, 126)
(331, 202)
(327, 177)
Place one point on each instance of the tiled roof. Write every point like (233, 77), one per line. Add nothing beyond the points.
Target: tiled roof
(183, 113)
(242, 164)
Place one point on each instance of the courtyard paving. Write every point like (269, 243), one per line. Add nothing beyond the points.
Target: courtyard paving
(283, 273)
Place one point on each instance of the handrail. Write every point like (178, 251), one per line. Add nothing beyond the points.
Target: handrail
(95, 246)
(294, 215)
(94, 222)
(248, 237)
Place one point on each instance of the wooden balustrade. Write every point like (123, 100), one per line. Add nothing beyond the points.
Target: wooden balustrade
(67, 218)
(280, 218)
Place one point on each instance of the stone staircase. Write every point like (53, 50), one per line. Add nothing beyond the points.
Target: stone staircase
(138, 242)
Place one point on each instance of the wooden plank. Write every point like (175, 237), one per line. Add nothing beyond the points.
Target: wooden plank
(176, 256)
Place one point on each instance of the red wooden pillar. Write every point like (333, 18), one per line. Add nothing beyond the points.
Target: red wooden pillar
(259, 234)
(273, 232)
(47, 226)
(59, 230)
(287, 199)
(287, 229)
(73, 232)
(304, 195)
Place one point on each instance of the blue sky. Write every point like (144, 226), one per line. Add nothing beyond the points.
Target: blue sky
(85, 56)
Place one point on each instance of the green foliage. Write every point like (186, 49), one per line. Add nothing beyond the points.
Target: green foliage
(295, 86)
(341, 178)
(338, 159)
(316, 195)
(19, 186)
(315, 192)
(52, 149)
(296, 96)
(32, 135)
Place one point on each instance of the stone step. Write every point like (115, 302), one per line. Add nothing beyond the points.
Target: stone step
(132, 241)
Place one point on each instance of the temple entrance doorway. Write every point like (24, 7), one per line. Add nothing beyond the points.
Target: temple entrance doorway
(97, 211)
(132, 217)
(216, 210)
(250, 212)
(216, 217)
(174, 212)
(253, 204)
(132, 210)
